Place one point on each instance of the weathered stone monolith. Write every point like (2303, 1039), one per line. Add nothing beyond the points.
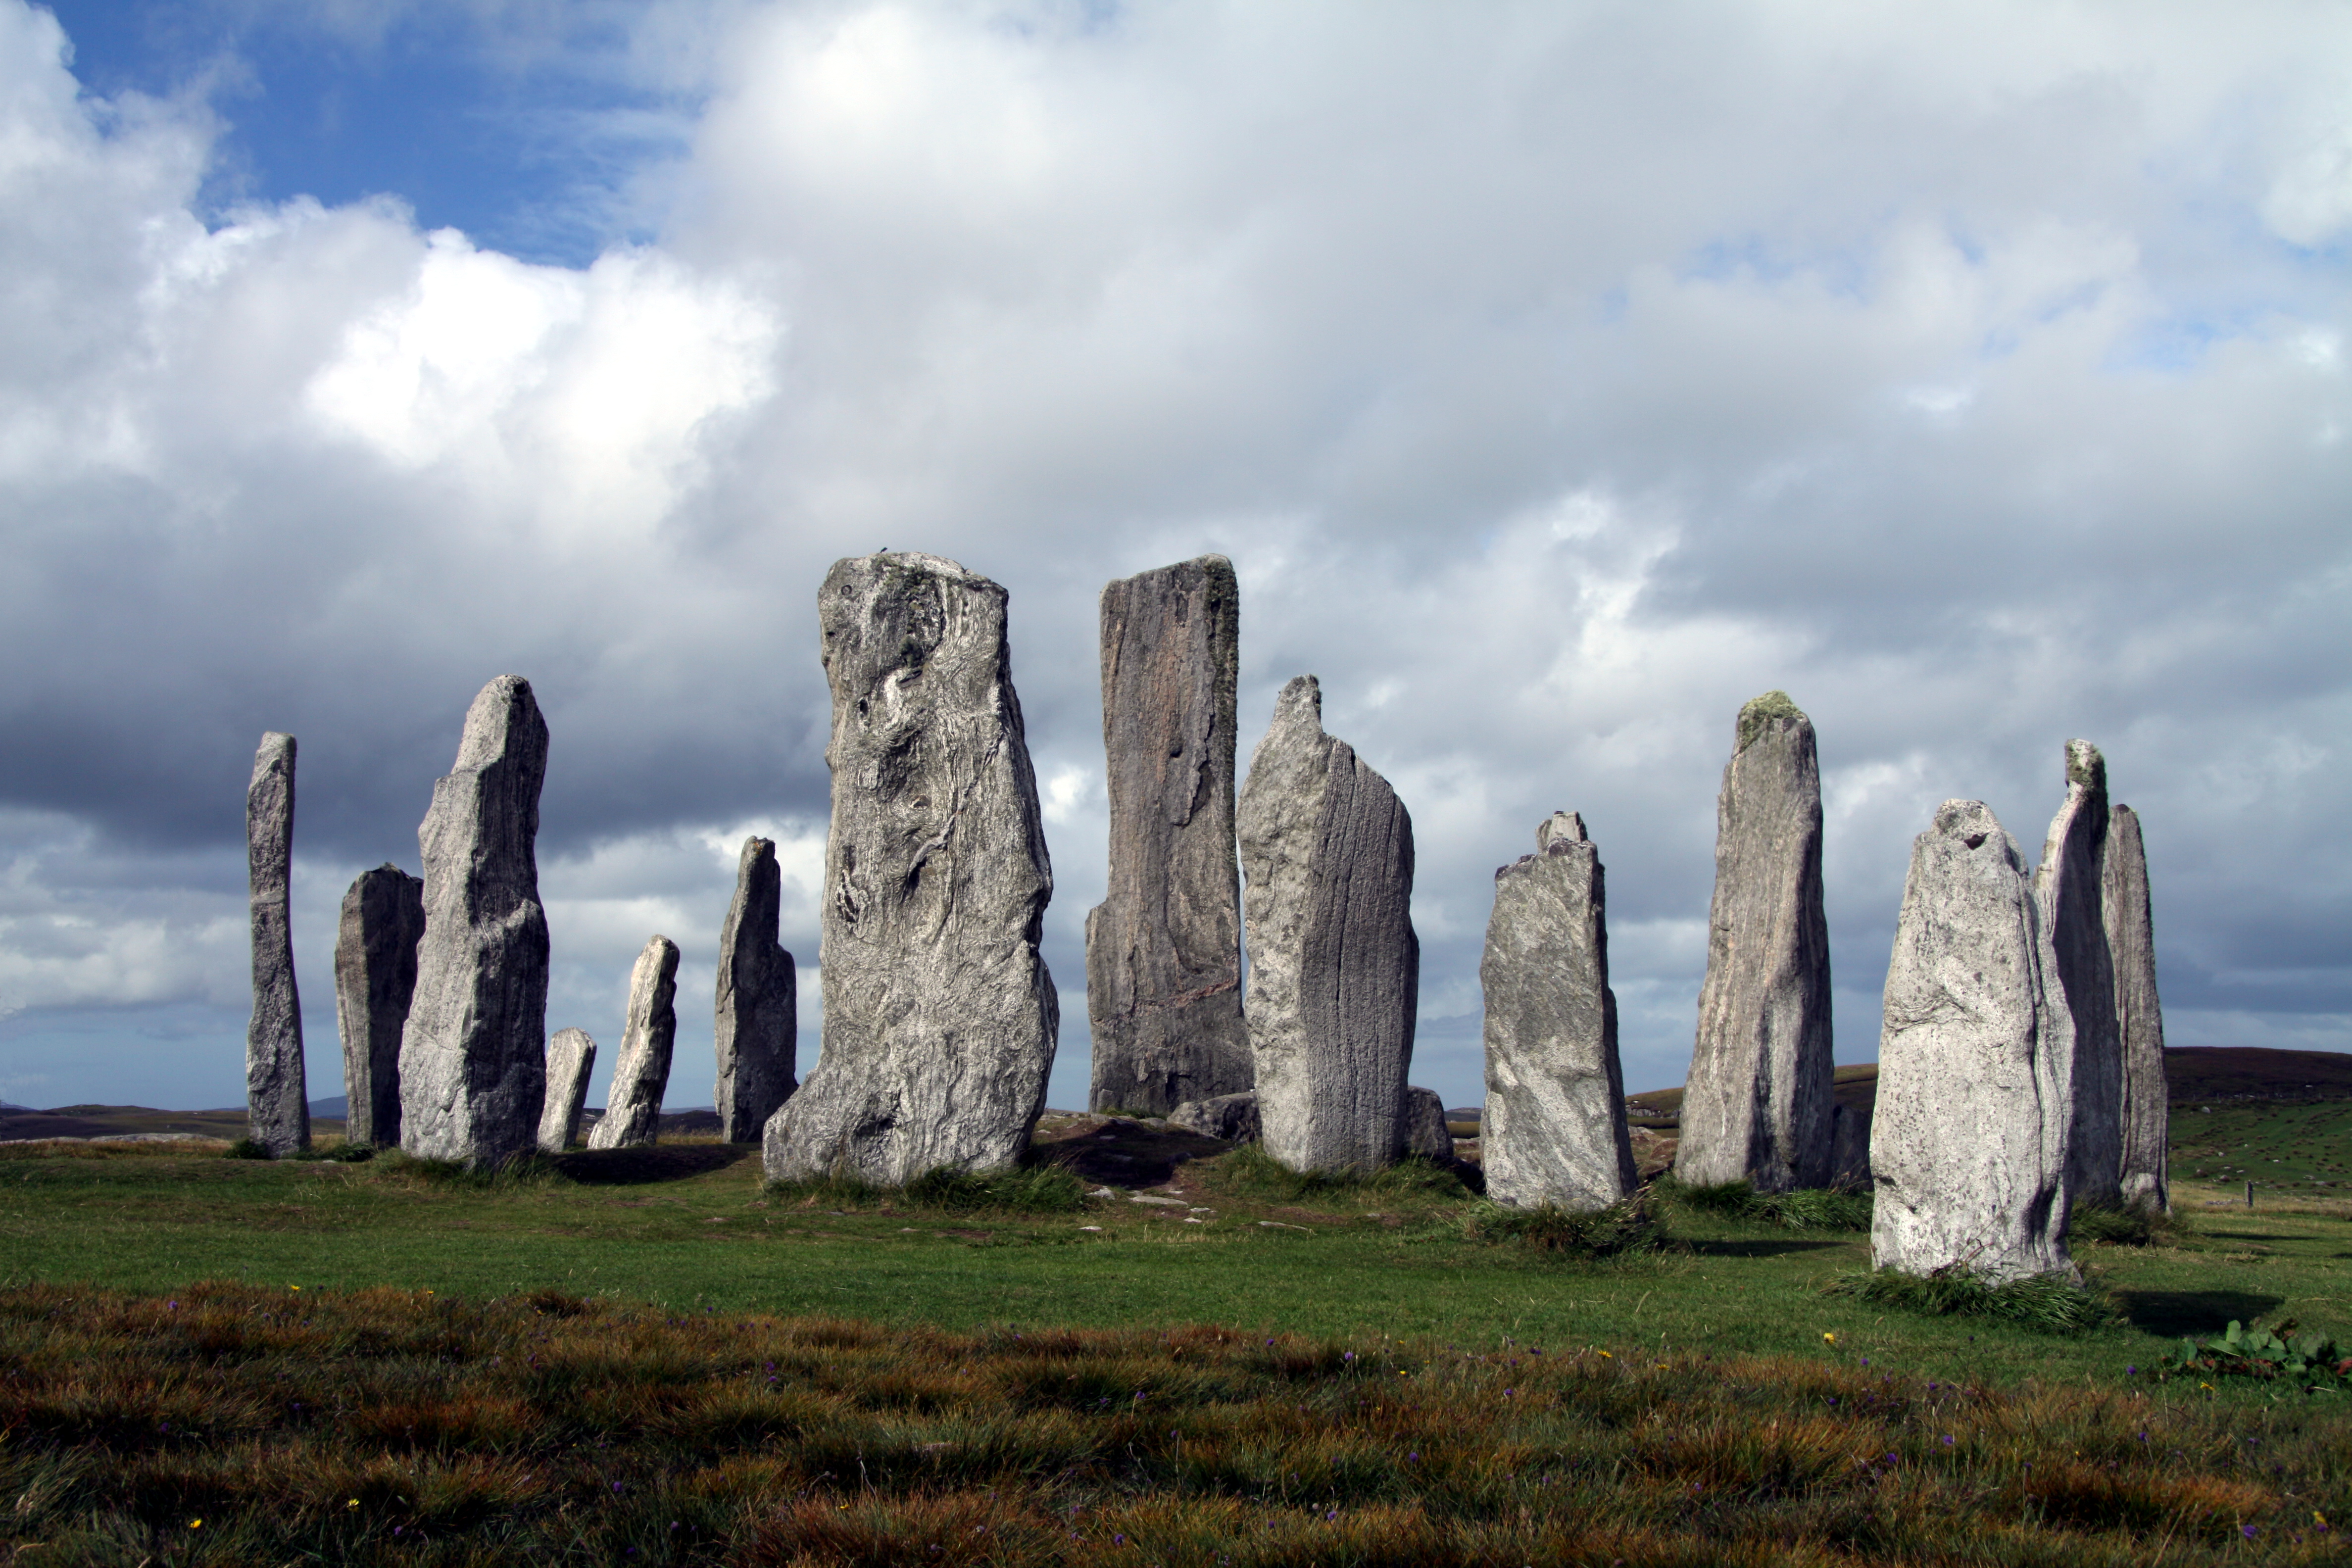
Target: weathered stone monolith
(757, 1031)
(571, 1057)
(1163, 948)
(2139, 1017)
(375, 976)
(641, 1077)
(940, 1015)
(1850, 1149)
(473, 1064)
(2069, 884)
(1335, 967)
(1757, 1105)
(278, 1102)
(1554, 1132)
(1968, 1141)
(1232, 1117)
(1425, 1132)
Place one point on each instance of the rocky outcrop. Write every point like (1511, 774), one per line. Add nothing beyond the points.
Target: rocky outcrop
(473, 1068)
(1756, 1108)
(1427, 1135)
(641, 1077)
(2145, 1181)
(278, 1102)
(571, 1057)
(1554, 1132)
(1335, 967)
(2070, 887)
(1969, 1140)
(757, 1032)
(375, 976)
(939, 1016)
(1230, 1117)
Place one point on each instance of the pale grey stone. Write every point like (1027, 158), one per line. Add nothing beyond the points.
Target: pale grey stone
(571, 1057)
(473, 1064)
(1163, 948)
(1230, 1117)
(2070, 887)
(940, 1015)
(1850, 1149)
(641, 1077)
(2139, 1017)
(277, 1100)
(1335, 967)
(1756, 1107)
(375, 976)
(1553, 1130)
(1425, 1133)
(757, 1032)
(1968, 1143)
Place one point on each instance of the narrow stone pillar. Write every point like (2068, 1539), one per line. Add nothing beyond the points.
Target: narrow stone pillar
(939, 1015)
(1759, 1101)
(276, 1099)
(2070, 886)
(1163, 948)
(473, 1062)
(2139, 1017)
(375, 976)
(641, 1077)
(1335, 967)
(571, 1057)
(757, 1028)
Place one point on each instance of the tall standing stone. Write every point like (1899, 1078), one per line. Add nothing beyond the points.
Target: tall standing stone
(1335, 967)
(641, 1077)
(473, 1068)
(1163, 948)
(1554, 1132)
(375, 977)
(571, 1057)
(2139, 1017)
(1970, 1137)
(278, 1102)
(757, 1022)
(2070, 886)
(1758, 1102)
(940, 1015)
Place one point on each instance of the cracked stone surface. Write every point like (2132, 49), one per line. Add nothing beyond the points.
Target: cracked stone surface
(633, 1115)
(2139, 1017)
(278, 1102)
(756, 1031)
(571, 1057)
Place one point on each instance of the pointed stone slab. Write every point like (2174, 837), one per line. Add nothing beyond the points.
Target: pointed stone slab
(278, 1102)
(2070, 884)
(473, 1065)
(571, 1057)
(757, 1022)
(1335, 967)
(1163, 948)
(375, 977)
(940, 1015)
(1968, 1140)
(641, 1077)
(1554, 1129)
(2145, 1181)
(1756, 1108)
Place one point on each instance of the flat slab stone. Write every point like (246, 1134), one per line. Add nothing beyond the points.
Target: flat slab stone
(632, 1116)
(571, 1057)
(1230, 1117)
(2070, 886)
(375, 977)
(2145, 1180)
(756, 1032)
(278, 1098)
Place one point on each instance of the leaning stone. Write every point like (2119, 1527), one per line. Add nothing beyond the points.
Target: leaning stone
(1425, 1132)
(2070, 887)
(473, 1065)
(2139, 1017)
(641, 1075)
(375, 976)
(1968, 1141)
(1334, 968)
(939, 1015)
(1850, 1149)
(1756, 1109)
(1554, 1129)
(757, 1032)
(571, 1057)
(1163, 948)
(278, 1102)
(1230, 1117)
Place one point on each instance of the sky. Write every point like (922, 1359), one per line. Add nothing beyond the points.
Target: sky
(1558, 376)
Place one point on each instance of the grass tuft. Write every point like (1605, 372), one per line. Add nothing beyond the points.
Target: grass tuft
(2136, 1226)
(249, 1149)
(1252, 1171)
(1620, 1228)
(1036, 1189)
(2047, 1303)
(1810, 1208)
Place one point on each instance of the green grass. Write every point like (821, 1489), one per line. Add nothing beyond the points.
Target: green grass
(2045, 1304)
(2282, 1146)
(1811, 1208)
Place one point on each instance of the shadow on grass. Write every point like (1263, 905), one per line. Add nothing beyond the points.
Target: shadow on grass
(1774, 1248)
(653, 1162)
(2170, 1314)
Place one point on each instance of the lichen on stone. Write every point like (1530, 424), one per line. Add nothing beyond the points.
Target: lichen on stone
(1759, 711)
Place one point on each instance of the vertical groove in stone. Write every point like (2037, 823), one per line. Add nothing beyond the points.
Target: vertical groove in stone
(641, 1075)
(571, 1057)
(276, 1098)
(375, 977)
(2139, 1017)
(2069, 885)
(756, 1027)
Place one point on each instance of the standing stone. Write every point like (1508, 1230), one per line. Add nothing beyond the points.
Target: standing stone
(1427, 1135)
(1968, 1140)
(2139, 1017)
(1554, 1132)
(633, 1111)
(1335, 967)
(375, 976)
(1230, 1117)
(940, 1015)
(758, 1022)
(473, 1065)
(1163, 948)
(1758, 1102)
(278, 1102)
(571, 1057)
(1850, 1149)
(2070, 887)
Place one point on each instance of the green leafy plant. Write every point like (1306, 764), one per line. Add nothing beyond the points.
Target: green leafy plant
(2310, 1361)
(2048, 1303)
